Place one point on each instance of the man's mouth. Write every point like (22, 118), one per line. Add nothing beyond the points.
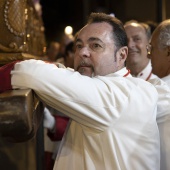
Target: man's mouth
(85, 69)
(83, 65)
(132, 52)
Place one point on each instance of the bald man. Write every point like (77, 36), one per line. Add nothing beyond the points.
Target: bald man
(138, 39)
(160, 57)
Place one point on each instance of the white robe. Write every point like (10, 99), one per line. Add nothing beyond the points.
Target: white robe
(163, 120)
(113, 118)
(146, 73)
(163, 115)
(167, 79)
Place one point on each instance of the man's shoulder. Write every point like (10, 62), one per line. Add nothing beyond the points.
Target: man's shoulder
(142, 88)
(161, 86)
(157, 81)
(133, 83)
(167, 80)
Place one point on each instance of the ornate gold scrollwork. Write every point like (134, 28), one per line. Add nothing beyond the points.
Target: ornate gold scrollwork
(14, 15)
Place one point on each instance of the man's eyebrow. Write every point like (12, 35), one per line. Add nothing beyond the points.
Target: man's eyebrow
(90, 39)
(78, 40)
(136, 35)
(95, 39)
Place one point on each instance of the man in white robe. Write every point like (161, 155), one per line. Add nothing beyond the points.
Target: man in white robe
(160, 57)
(139, 35)
(112, 115)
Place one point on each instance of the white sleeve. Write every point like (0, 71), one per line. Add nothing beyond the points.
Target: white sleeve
(89, 101)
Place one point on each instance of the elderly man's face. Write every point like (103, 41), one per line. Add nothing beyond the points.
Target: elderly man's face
(95, 51)
(137, 42)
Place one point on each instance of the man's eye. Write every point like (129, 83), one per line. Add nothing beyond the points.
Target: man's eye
(137, 39)
(95, 46)
(78, 46)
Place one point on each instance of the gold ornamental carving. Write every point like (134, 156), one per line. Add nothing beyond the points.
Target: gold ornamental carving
(14, 20)
(21, 31)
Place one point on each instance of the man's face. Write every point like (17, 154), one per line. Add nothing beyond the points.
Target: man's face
(158, 57)
(137, 42)
(95, 51)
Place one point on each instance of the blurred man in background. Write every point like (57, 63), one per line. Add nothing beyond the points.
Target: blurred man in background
(159, 50)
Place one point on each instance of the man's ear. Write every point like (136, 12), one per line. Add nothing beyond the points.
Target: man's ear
(123, 53)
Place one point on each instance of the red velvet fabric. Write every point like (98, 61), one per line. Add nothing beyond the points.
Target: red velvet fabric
(49, 161)
(5, 76)
(61, 124)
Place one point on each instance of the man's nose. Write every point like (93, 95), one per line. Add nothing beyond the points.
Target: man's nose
(131, 43)
(84, 52)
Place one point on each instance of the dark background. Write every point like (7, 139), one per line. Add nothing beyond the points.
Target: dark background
(57, 14)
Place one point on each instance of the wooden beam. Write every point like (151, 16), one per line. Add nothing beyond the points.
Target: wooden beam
(20, 115)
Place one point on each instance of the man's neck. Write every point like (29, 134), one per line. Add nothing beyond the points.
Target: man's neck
(136, 68)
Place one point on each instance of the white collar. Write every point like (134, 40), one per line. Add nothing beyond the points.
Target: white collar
(146, 72)
(124, 72)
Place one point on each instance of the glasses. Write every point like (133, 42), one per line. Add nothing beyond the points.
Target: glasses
(149, 49)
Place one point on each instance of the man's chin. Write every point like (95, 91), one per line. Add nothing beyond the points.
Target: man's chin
(131, 61)
(86, 71)
(87, 74)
